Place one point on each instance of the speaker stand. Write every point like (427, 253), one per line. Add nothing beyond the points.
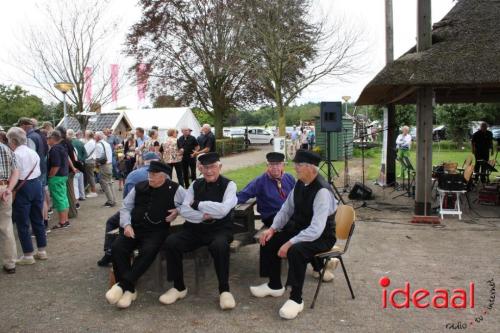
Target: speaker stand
(364, 204)
(331, 168)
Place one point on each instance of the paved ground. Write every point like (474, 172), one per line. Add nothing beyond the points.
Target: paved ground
(66, 293)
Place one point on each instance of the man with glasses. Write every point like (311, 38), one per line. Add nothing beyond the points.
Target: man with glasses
(271, 188)
(301, 229)
(207, 208)
(145, 218)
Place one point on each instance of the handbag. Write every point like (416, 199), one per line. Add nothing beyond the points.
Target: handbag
(21, 184)
(102, 160)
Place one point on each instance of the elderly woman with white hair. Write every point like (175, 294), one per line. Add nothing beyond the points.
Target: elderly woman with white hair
(403, 144)
(28, 202)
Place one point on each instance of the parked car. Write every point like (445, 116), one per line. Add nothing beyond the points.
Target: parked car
(439, 133)
(496, 132)
(259, 135)
(234, 132)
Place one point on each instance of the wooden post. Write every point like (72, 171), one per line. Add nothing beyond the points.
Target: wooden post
(424, 118)
(388, 165)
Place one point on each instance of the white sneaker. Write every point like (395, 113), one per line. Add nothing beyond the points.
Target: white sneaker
(226, 301)
(114, 294)
(172, 295)
(126, 299)
(291, 309)
(263, 290)
(41, 255)
(25, 260)
(91, 195)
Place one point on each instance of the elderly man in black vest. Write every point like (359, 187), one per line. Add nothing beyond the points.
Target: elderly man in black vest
(301, 229)
(145, 217)
(207, 208)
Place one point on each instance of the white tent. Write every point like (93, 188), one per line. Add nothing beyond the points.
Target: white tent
(164, 118)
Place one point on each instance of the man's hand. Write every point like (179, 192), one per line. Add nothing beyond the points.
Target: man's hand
(284, 249)
(5, 195)
(266, 236)
(129, 231)
(207, 217)
(173, 214)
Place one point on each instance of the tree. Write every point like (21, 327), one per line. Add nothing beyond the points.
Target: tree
(166, 101)
(74, 35)
(288, 52)
(193, 48)
(15, 102)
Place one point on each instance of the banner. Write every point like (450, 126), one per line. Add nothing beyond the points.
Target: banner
(142, 72)
(114, 82)
(87, 75)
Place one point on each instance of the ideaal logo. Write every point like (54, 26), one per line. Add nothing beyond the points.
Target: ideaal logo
(461, 298)
(423, 298)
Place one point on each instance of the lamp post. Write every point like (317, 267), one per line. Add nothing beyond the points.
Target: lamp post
(64, 87)
(346, 99)
(346, 147)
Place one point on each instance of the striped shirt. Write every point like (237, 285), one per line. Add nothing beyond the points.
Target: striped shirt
(7, 162)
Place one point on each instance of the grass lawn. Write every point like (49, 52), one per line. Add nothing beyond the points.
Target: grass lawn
(372, 164)
(243, 176)
(438, 157)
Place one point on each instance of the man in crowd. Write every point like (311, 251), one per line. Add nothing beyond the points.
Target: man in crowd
(27, 204)
(271, 188)
(206, 141)
(57, 177)
(482, 144)
(133, 178)
(140, 136)
(145, 217)
(9, 174)
(90, 163)
(207, 208)
(301, 229)
(104, 160)
(189, 144)
(81, 156)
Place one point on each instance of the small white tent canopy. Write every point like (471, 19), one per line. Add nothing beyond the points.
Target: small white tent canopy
(164, 118)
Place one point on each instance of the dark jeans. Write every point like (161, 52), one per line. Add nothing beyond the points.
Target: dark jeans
(147, 242)
(111, 224)
(188, 170)
(189, 240)
(298, 256)
(178, 171)
(27, 209)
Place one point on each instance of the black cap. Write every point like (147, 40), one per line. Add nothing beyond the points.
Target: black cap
(208, 158)
(306, 156)
(275, 157)
(157, 166)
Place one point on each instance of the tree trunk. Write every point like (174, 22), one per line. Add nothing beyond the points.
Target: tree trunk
(281, 120)
(218, 122)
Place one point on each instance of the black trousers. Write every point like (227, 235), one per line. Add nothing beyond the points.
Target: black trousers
(178, 171)
(147, 242)
(111, 224)
(298, 256)
(481, 166)
(188, 170)
(189, 239)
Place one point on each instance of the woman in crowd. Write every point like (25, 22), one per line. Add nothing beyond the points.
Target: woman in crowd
(172, 155)
(153, 143)
(129, 147)
(72, 171)
(28, 200)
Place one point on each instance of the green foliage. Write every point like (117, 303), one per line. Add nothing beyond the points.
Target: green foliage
(457, 118)
(228, 146)
(15, 102)
(406, 115)
(203, 116)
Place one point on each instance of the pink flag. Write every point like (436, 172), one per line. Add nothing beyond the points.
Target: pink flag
(142, 72)
(114, 82)
(87, 74)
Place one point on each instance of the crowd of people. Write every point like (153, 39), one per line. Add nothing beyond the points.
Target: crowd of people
(44, 169)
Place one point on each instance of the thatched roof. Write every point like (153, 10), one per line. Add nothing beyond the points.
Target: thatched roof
(463, 64)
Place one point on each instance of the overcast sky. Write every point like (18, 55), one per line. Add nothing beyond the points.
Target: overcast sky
(366, 15)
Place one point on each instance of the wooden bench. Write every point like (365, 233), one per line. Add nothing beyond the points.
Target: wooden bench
(243, 230)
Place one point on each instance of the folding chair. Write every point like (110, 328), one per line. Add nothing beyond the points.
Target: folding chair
(344, 227)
